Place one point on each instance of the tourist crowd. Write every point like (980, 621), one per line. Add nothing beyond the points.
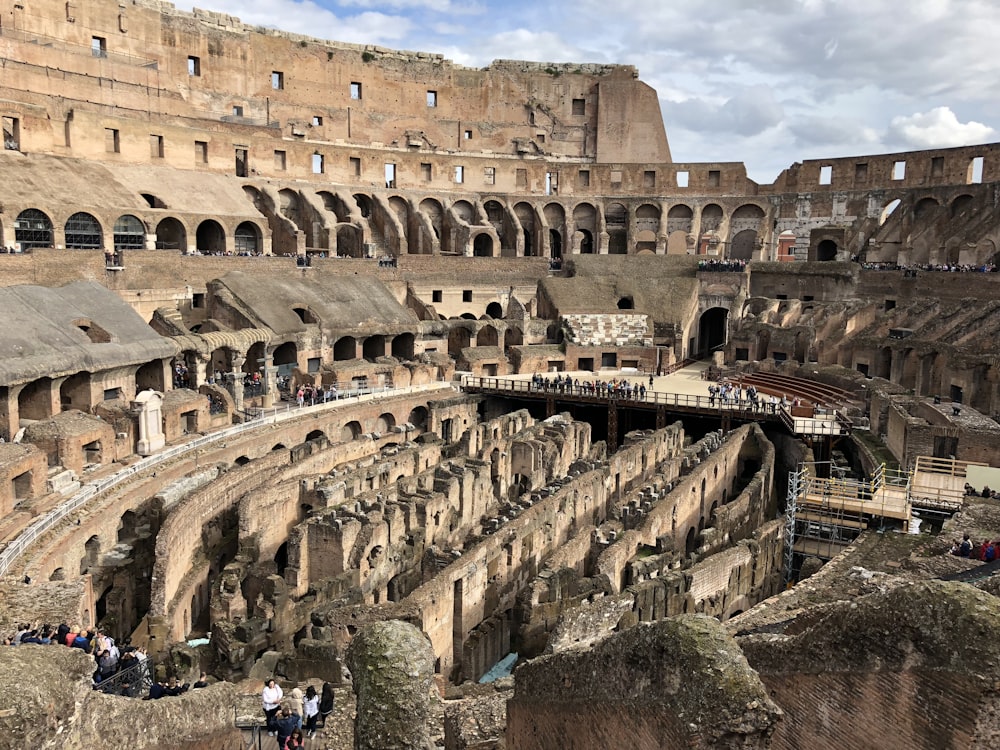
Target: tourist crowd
(722, 264)
(287, 717)
(110, 660)
(946, 267)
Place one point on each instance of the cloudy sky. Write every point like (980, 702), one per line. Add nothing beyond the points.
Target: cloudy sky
(765, 82)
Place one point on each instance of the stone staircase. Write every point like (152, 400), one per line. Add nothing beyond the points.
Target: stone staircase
(61, 480)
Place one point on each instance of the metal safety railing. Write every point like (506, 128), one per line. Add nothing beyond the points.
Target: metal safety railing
(16, 547)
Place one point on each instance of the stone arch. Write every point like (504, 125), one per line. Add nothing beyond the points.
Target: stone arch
(91, 554)
(83, 232)
(525, 213)
(150, 376)
(494, 310)
(711, 222)
(626, 303)
(464, 211)
(364, 204)
(513, 337)
(434, 212)
(482, 245)
(210, 238)
(34, 400)
(689, 542)
(373, 347)
(459, 338)
(712, 329)
(487, 336)
(350, 431)
(286, 357)
(827, 250)
(496, 216)
(345, 348)
(616, 219)
(925, 207)
(33, 228)
(349, 244)
(585, 220)
(129, 233)
(887, 210)
(171, 235)
(743, 245)
(384, 423)
(555, 219)
(418, 417)
(316, 435)
(402, 346)
(961, 204)
(248, 239)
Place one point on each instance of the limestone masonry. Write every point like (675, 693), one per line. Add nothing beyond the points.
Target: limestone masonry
(331, 363)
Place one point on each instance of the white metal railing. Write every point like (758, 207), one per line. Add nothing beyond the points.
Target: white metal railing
(16, 547)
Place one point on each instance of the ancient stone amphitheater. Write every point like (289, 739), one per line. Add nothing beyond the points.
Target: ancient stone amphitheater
(302, 351)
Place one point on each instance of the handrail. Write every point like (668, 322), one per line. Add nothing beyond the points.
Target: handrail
(133, 682)
(16, 547)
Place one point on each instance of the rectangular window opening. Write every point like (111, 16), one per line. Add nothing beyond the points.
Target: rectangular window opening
(649, 179)
(579, 107)
(976, 170)
(861, 172)
(459, 175)
(317, 121)
(682, 178)
(194, 65)
(237, 110)
(12, 133)
(317, 163)
(241, 162)
(277, 80)
(98, 46)
(437, 295)
(937, 166)
(466, 295)
(425, 172)
(521, 178)
(898, 170)
(467, 135)
(583, 178)
(355, 163)
(201, 152)
(490, 175)
(432, 98)
(616, 178)
(156, 146)
(280, 160)
(714, 178)
(390, 175)
(551, 183)
(355, 90)
(826, 175)
(112, 142)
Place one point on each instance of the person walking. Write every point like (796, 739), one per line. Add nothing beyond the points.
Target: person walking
(310, 707)
(270, 698)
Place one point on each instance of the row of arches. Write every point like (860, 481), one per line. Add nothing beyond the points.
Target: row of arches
(83, 231)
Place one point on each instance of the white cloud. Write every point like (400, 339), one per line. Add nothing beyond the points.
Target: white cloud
(749, 111)
(938, 128)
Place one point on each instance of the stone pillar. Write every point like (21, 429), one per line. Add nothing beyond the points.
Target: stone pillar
(234, 380)
(393, 668)
(148, 408)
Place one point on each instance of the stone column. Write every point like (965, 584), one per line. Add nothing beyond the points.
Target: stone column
(393, 668)
(234, 380)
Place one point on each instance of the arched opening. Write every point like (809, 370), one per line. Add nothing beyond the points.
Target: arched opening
(883, 365)
(373, 347)
(316, 435)
(513, 337)
(364, 204)
(418, 417)
(925, 208)
(171, 235)
(626, 303)
(458, 339)
(281, 558)
(151, 376)
(384, 423)
(349, 243)
(345, 348)
(130, 233)
(247, 239)
(434, 212)
(494, 310)
(712, 327)
(960, 205)
(210, 238)
(826, 251)
(153, 201)
(487, 336)
(306, 315)
(402, 346)
(743, 245)
(586, 242)
(91, 554)
(616, 225)
(350, 431)
(482, 246)
(279, 447)
(689, 542)
(34, 400)
(526, 217)
(242, 460)
(127, 527)
(83, 232)
(286, 358)
(74, 392)
(32, 228)
(887, 211)
(555, 243)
